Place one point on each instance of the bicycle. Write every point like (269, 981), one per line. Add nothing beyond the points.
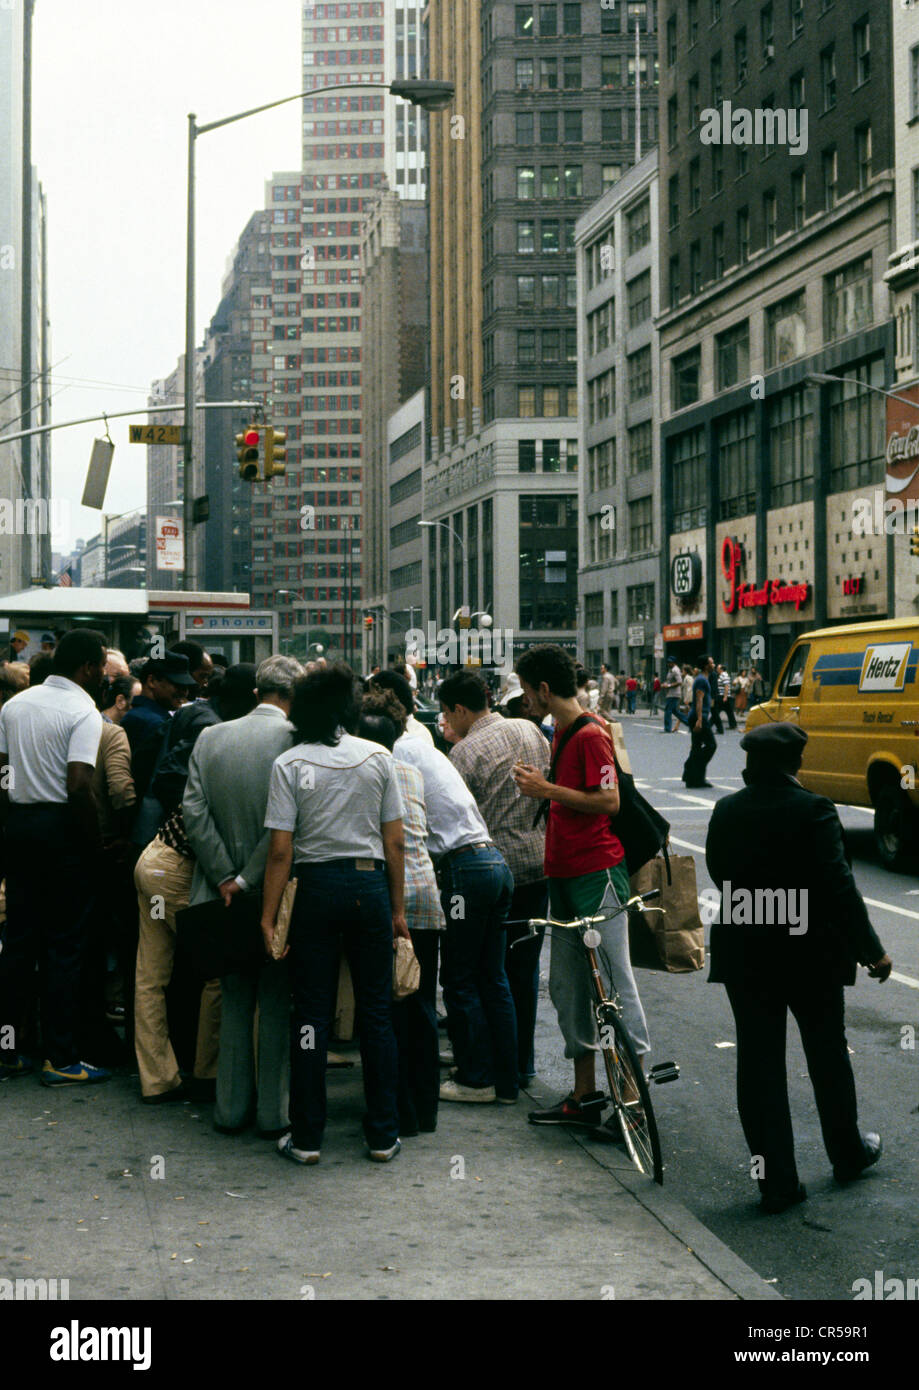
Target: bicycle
(627, 1082)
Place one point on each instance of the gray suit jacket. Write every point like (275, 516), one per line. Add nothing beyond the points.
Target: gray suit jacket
(226, 796)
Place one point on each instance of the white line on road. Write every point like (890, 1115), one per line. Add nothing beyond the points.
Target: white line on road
(871, 902)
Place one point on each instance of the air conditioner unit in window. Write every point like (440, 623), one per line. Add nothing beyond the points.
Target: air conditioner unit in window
(769, 52)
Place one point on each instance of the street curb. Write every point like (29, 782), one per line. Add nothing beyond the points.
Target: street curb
(678, 1220)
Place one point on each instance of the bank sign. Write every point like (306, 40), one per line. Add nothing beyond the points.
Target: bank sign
(884, 667)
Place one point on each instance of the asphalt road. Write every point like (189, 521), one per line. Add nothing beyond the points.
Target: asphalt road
(816, 1250)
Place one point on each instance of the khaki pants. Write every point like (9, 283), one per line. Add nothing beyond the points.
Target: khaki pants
(163, 881)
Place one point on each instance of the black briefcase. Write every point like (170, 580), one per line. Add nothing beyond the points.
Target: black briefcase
(216, 940)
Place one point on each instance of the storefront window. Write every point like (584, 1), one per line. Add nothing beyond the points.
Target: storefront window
(790, 444)
(856, 417)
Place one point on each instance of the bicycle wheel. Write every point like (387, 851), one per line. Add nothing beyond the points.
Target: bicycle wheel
(630, 1095)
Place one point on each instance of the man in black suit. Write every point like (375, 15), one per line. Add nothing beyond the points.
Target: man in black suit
(793, 925)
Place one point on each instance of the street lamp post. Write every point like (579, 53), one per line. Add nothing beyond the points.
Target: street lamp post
(827, 378)
(428, 93)
(462, 544)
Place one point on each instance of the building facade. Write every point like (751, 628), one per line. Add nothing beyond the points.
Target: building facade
(406, 441)
(124, 551)
(776, 178)
(619, 480)
(166, 476)
(556, 127)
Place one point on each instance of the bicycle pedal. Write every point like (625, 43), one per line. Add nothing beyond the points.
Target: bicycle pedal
(663, 1072)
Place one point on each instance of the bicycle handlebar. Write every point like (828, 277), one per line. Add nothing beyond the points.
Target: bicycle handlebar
(636, 903)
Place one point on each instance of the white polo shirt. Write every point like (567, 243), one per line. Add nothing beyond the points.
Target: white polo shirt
(454, 819)
(42, 729)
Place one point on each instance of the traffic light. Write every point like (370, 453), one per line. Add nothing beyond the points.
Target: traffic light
(275, 452)
(247, 452)
(368, 622)
(914, 541)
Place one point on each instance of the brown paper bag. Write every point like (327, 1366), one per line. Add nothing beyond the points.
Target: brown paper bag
(673, 940)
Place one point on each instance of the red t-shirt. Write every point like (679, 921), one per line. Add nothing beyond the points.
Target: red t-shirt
(577, 843)
(631, 683)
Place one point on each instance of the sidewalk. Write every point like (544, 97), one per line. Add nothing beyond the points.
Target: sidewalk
(134, 1202)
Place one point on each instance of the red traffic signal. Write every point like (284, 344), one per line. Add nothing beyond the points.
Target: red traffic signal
(368, 621)
(251, 438)
(247, 452)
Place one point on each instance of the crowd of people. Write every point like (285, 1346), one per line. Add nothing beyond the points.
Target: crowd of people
(131, 791)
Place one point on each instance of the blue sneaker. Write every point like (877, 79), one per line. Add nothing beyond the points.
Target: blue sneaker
(19, 1066)
(78, 1074)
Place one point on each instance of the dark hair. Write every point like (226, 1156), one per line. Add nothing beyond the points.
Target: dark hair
(40, 668)
(76, 648)
(378, 728)
(581, 676)
(387, 705)
(325, 701)
(391, 680)
(550, 663)
(703, 660)
(236, 691)
(194, 651)
(118, 685)
(463, 688)
(220, 659)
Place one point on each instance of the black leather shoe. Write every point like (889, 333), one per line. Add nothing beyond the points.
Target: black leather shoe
(873, 1147)
(178, 1093)
(774, 1205)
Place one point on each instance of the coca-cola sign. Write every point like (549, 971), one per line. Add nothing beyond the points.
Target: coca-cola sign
(902, 452)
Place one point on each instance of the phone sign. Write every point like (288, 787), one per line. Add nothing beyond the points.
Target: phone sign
(884, 667)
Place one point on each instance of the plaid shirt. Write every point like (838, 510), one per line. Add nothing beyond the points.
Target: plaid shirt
(423, 911)
(485, 758)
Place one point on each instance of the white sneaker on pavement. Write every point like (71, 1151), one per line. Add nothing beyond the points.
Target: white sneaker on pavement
(452, 1090)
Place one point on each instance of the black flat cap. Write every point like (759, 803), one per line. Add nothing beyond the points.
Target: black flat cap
(776, 735)
(174, 667)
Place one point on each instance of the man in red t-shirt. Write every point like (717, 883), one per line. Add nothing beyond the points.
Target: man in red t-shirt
(586, 869)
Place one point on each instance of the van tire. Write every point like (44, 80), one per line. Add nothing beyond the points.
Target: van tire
(896, 829)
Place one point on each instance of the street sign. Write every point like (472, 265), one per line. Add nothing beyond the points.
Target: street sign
(155, 434)
(658, 645)
(170, 548)
(636, 637)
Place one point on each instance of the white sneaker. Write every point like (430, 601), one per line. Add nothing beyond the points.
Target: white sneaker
(286, 1150)
(452, 1090)
(384, 1155)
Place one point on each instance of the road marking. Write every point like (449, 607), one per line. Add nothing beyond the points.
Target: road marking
(871, 902)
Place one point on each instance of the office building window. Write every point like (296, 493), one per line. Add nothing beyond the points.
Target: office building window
(767, 33)
(743, 236)
(639, 299)
(524, 74)
(857, 428)
(862, 36)
(847, 299)
(740, 57)
(549, 237)
(573, 181)
(863, 155)
(548, 21)
(694, 104)
(550, 344)
(601, 532)
(525, 21)
(526, 291)
(695, 184)
(732, 355)
(610, 71)
(640, 448)
(673, 201)
(526, 402)
(786, 330)
(526, 346)
(673, 116)
(526, 183)
(692, 15)
(828, 77)
(571, 72)
(526, 455)
(736, 465)
(718, 250)
(639, 369)
(526, 238)
(549, 291)
(695, 268)
(524, 127)
(915, 205)
(716, 77)
(593, 610)
(611, 125)
(715, 11)
(797, 18)
(674, 278)
(770, 217)
(638, 226)
(609, 175)
(671, 41)
(548, 74)
(684, 378)
(601, 465)
(717, 169)
(641, 525)
(571, 19)
(790, 449)
(798, 199)
(548, 127)
(573, 131)
(548, 182)
(688, 479)
(796, 91)
(640, 602)
(914, 82)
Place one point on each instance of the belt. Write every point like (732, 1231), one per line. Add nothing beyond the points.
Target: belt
(463, 849)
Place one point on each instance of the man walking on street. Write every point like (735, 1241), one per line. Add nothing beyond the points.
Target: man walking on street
(781, 845)
(489, 749)
(725, 698)
(586, 869)
(607, 692)
(671, 688)
(703, 740)
(49, 742)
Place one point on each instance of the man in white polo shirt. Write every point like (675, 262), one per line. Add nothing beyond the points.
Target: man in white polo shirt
(49, 741)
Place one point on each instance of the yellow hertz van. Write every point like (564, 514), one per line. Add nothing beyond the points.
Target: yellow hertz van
(855, 692)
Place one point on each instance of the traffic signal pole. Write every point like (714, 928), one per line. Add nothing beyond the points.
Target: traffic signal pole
(189, 576)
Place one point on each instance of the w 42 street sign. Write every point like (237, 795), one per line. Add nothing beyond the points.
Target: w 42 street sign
(155, 434)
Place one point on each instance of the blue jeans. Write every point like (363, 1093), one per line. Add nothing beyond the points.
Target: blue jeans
(671, 705)
(631, 696)
(476, 890)
(335, 900)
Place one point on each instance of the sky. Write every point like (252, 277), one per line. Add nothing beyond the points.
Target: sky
(113, 82)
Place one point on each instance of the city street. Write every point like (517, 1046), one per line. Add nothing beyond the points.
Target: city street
(818, 1249)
